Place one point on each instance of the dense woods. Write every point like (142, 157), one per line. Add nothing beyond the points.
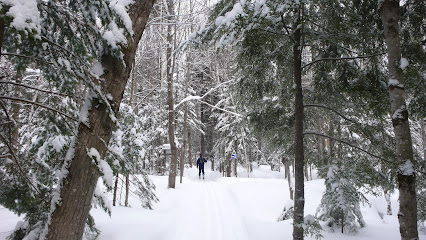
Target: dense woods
(116, 91)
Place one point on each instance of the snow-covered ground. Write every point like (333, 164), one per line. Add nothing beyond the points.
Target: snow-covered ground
(218, 208)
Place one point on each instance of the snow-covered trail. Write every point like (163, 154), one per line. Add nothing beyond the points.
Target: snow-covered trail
(210, 214)
(215, 208)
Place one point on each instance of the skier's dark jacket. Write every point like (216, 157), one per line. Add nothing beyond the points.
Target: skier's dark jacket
(200, 162)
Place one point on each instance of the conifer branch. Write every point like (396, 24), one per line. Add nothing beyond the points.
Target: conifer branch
(347, 143)
(18, 164)
(34, 88)
(8, 118)
(39, 105)
(25, 56)
(333, 110)
(343, 58)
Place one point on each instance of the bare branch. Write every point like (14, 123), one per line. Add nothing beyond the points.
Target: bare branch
(221, 109)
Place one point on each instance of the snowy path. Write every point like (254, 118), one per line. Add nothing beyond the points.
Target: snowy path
(211, 214)
(215, 208)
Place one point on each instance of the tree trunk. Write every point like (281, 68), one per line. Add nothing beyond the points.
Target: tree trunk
(288, 176)
(407, 216)
(114, 198)
(259, 148)
(202, 136)
(228, 165)
(388, 201)
(211, 141)
(299, 194)
(170, 99)
(185, 120)
(235, 159)
(126, 199)
(1, 30)
(68, 219)
(422, 127)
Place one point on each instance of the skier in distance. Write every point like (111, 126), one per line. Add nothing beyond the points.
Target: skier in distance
(200, 165)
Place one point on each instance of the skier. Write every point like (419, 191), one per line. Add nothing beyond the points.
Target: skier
(200, 165)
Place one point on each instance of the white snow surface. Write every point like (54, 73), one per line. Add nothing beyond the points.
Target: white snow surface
(219, 208)
(403, 63)
(407, 168)
(97, 69)
(120, 7)
(230, 16)
(398, 113)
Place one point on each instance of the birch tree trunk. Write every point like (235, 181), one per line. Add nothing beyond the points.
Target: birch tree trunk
(68, 219)
(407, 216)
(170, 98)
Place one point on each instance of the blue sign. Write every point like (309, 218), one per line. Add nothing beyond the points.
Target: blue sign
(233, 156)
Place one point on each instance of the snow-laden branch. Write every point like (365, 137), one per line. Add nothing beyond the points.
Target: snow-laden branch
(221, 109)
(201, 97)
(18, 164)
(343, 58)
(347, 143)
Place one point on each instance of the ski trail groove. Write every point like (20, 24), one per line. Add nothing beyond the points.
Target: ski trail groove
(211, 214)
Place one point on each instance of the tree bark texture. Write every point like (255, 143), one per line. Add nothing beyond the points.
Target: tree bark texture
(190, 149)
(407, 216)
(1, 31)
(114, 198)
(126, 199)
(170, 99)
(422, 127)
(202, 136)
(288, 176)
(299, 193)
(185, 117)
(211, 141)
(68, 220)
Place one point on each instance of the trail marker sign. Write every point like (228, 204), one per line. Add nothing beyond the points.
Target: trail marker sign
(233, 156)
